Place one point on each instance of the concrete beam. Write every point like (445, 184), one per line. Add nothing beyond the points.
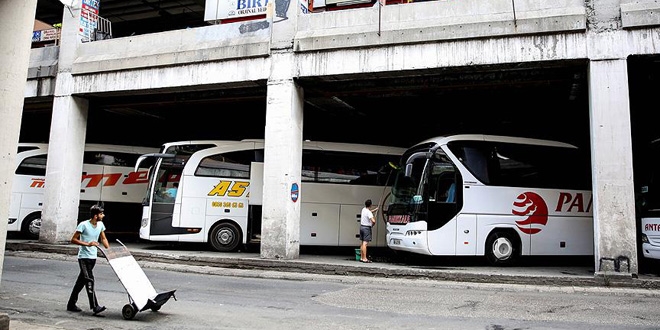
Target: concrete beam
(635, 13)
(436, 21)
(178, 47)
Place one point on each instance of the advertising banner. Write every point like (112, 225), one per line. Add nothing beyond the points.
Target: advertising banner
(88, 19)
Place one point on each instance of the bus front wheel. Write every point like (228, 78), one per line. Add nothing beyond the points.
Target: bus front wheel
(502, 248)
(32, 225)
(225, 237)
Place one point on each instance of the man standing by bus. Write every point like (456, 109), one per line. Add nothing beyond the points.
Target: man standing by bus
(87, 236)
(367, 221)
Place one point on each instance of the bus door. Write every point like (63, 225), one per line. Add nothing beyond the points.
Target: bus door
(256, 201)
(441, 195)
(164, 195)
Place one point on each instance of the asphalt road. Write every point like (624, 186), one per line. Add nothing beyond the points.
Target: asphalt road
(34, 291)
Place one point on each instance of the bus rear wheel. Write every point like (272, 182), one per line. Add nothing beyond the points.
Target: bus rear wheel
(502, 248)
(32, 225)
(225, 237)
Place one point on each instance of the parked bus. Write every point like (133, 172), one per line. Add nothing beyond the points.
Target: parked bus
(502, 197)
(650, 208)
(220, 187)
(108, 178)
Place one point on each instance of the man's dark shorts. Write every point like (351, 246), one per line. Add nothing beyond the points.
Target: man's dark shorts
(365, 233)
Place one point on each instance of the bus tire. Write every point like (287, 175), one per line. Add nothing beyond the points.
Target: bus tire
(31, 225)
(502, 248)
(225, 237)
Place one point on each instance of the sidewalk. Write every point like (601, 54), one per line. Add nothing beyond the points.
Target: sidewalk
(547, 272)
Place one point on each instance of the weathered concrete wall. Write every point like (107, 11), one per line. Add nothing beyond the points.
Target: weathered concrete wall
(16, 17)
(280, 226)
(236, 73)
(638, 13)
(42, 72)
(434, 55)
(436, 21)
(188, 46)
(65, 143)
(615, 236)
(232, 54)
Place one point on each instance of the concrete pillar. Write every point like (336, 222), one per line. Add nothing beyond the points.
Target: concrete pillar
(16, 22)
(66, 142)
(615, 247)
(284, 23)
(280, 228)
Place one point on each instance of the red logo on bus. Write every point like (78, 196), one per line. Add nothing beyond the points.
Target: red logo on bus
(534, 208)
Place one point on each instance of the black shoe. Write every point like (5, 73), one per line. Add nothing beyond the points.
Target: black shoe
(98, 309)
(73, 308)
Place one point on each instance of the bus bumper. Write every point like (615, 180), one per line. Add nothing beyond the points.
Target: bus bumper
(651, 251)
(414, 244)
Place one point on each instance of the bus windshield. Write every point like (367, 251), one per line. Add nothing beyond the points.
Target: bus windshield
(408, 190)
(167, 171)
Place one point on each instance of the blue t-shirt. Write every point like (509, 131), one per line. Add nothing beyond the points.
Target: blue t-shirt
(89, 233)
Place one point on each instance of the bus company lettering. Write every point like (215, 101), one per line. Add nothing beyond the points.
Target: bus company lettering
(229, 205)
(251, 7)
(532, 206)
(38, 183)
(573, 203)
(111, 179)
(652, 227)
(229, 188)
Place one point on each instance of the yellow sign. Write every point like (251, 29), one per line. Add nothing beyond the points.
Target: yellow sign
(229, 189)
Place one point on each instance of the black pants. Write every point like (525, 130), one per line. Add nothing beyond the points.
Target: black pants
(85, 280)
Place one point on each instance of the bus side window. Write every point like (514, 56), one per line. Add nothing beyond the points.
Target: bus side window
(35, 165)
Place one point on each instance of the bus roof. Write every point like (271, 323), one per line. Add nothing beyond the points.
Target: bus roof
(442, 140)
(167, 145)
(312, 145)
(92, 147)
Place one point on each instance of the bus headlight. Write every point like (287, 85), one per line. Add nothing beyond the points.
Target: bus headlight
(413, 232)
(144, 222)
(645, 239)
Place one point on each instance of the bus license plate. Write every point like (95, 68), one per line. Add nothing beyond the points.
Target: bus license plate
(396, 241)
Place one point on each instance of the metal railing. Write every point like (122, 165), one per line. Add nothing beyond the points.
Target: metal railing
(103, 29)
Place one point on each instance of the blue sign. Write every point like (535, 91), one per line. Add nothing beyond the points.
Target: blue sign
(295, 192)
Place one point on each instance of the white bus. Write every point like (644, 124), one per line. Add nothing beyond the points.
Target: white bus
(220, 188)
(108, 178)
(650, 208)
(502, 197)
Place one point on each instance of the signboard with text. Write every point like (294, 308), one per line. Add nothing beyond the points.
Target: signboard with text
(89, 14)
(241, 8)
(45, 35)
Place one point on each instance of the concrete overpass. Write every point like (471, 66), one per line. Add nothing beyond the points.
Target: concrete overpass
(523, 67)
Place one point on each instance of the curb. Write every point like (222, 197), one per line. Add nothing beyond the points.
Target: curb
(306, 267)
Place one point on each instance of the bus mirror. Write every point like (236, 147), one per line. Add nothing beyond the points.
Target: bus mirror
(408, 171)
